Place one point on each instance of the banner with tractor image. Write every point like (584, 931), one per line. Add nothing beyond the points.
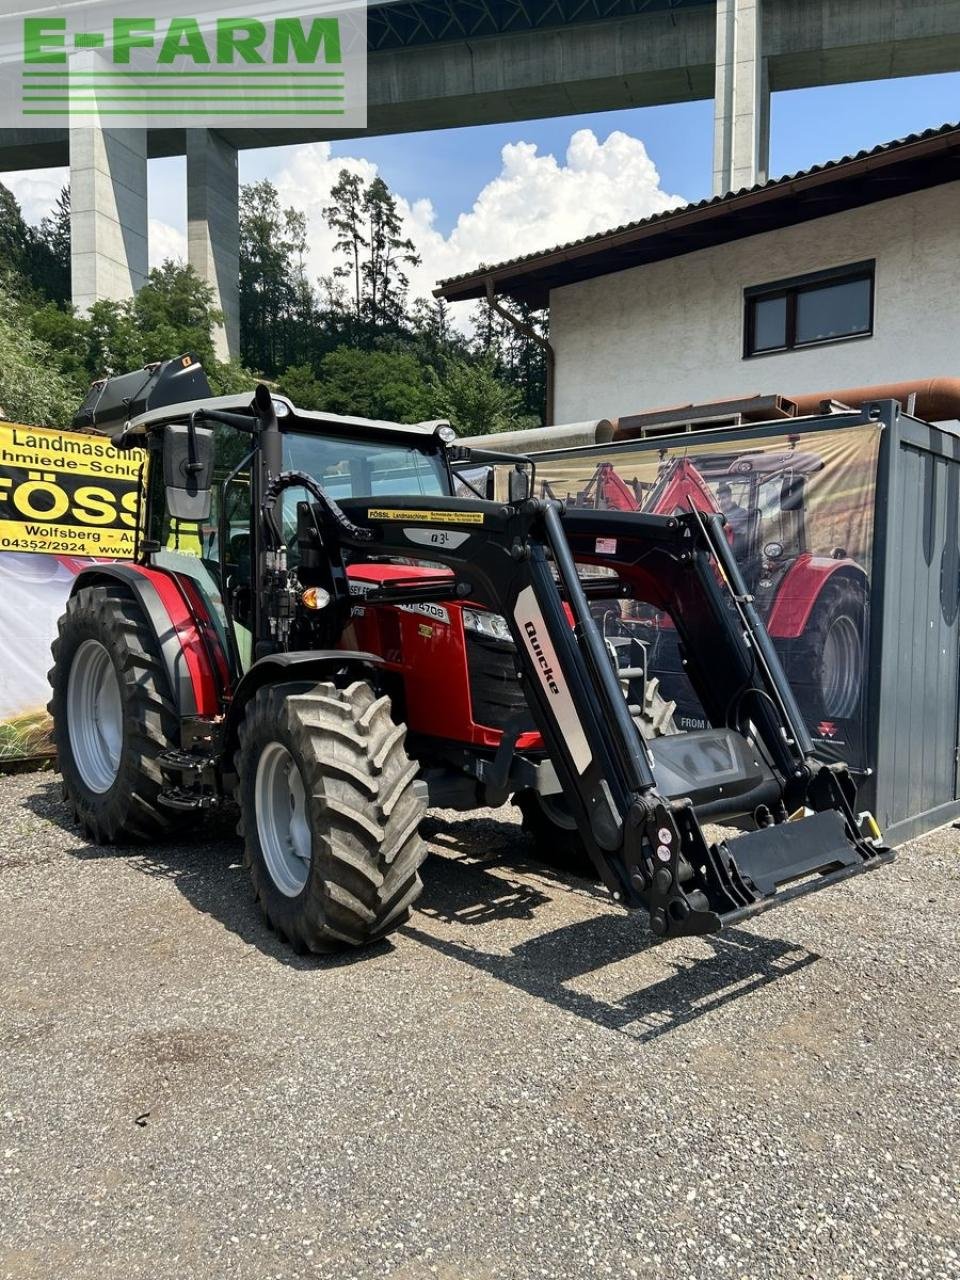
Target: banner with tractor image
(800, 519)
(66, 499)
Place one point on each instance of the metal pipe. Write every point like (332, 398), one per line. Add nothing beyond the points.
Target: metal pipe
(936, 399)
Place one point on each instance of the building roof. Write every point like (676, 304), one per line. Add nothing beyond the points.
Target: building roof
(908, 164)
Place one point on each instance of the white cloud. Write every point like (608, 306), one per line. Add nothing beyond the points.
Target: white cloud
(36, 190)
(535, 202)
(165, 242)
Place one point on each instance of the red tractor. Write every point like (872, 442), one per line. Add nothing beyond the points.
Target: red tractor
(814, 607)
(279, 644)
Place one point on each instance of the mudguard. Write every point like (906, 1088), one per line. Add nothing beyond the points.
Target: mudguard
(800, 590)
(185, 652)
(305, 664)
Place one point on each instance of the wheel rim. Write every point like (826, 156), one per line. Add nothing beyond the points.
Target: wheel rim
(95, 716)
(555, 808)
(283, 823)
(841, 670)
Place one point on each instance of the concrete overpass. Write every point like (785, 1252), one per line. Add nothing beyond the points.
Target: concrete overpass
(436, 64)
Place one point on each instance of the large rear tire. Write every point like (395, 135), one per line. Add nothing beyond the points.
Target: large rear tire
(831, 660)
(548, 820)
(329, 812)
(113, 716)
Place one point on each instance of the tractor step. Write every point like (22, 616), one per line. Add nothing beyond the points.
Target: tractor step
(182, 798)
(183, 761)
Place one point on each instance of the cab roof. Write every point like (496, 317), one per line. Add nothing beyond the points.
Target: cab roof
(308, 420)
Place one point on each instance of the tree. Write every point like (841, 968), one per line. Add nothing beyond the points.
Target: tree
(376, 384)
(53, 260)
(386, 285)
(277, 304)
(174, 312)
(345, 216)
(301, 385)
(32, 388)
(476, 401)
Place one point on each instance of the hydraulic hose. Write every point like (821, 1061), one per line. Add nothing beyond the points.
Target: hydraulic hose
(300, 480)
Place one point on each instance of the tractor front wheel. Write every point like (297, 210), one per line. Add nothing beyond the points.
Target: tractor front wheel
(113, 716)
(329, 812)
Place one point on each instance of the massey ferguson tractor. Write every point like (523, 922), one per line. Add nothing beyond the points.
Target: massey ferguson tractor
(316, 629)
(814, 606)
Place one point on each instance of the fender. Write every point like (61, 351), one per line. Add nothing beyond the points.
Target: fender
(800, 590)
(185, 656)
(279, 668)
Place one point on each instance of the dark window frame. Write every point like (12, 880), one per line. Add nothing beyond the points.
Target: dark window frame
(794, 287)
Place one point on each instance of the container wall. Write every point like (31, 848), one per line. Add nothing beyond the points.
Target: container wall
(919, 688)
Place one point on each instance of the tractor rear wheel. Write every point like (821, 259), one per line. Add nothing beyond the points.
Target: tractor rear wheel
(329, 811)
(113, 716)
(548, 820)
(830, 660)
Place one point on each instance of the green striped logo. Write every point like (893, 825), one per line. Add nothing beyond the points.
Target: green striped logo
(190, 70)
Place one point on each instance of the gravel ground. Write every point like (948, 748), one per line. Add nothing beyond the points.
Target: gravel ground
(519, 1085)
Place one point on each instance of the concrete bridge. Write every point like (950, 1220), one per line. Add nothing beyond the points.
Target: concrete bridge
(437, 64)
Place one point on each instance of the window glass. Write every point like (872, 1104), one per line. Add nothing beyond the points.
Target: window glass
(833, 311)
(769, 323)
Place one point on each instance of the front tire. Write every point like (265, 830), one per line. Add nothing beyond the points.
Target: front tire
(113, 716)
(330, 809)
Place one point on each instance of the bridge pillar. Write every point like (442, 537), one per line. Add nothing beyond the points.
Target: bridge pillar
(741, 142)
(213, 229)
(108, 214)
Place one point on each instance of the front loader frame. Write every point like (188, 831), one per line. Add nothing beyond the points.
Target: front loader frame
(649, 850)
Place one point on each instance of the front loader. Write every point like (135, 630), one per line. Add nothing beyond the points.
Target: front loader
(225, 664)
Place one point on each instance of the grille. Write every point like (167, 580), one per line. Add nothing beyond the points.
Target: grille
(495, 693)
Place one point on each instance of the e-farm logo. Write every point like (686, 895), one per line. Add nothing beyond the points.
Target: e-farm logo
(134, 65)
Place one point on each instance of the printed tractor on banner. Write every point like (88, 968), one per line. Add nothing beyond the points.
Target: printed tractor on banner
(321, 630)
(814, 606)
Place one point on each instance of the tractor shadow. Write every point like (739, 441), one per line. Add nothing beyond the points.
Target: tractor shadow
(463, 891)
(205, 863)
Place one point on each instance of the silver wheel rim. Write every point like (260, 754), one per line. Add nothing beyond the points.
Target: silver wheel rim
(841, 668)
(283, 823)
(95, 716)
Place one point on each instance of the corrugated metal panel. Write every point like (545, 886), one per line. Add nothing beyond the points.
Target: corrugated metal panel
(920, 687)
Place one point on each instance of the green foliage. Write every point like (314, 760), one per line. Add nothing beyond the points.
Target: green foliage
(301, 385)
(348, 343)
(32, 387)
(376, 384)
(476, 401)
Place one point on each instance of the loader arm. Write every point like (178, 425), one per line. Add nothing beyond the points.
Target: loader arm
(520, 561)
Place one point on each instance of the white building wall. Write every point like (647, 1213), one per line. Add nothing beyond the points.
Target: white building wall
(671, 333)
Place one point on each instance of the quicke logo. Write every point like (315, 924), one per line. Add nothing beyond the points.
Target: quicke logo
(545, 666)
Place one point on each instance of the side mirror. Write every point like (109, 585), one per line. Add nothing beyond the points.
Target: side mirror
(188, 470)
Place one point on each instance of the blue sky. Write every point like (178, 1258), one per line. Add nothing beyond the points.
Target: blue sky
(808, 126)
(490, 193)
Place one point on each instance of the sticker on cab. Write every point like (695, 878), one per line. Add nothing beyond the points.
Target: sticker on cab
(606, 547)
(428, 517)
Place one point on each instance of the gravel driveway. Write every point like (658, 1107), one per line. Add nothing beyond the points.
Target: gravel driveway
(519, 1085)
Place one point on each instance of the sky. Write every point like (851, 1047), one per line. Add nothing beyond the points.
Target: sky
(493, 192)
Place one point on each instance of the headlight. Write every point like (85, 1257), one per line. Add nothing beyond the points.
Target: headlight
(491, 625)
(446, 433)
